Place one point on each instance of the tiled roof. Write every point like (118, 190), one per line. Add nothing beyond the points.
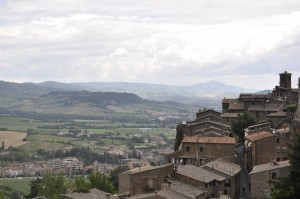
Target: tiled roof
(220, 140)
(254, 96)
(225, 167)
(145, 196)
(277, 114)
(93, 194)
(184, 189)
(259, 136)
(170, 194)
(267, 107)
(232, 115)
(269, 166)
(146, 168)
(198, 173)
(195, 123)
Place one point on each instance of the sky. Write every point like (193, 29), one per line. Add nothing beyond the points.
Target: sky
(246, 43)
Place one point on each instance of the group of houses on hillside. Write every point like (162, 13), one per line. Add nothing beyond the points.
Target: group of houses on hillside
(209, 162)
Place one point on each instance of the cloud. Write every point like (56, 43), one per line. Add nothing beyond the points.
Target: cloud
(163, 41)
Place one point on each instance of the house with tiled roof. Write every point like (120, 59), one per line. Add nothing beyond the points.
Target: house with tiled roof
(228, 170)
(143, 180)
(262, 174)
(92, 194)
(207, 120)
(263, 147)
(199, 150)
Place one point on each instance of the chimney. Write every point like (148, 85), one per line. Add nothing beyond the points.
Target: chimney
(299, 94)
(169, 183)
(107, 195)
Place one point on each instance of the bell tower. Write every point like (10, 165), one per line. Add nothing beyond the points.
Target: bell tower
(285, 80)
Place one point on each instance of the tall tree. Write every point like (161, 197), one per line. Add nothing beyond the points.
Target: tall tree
(50, 186)
(82, 185)
(243, 121)
(101, 181)
(289, 187)
(179, 136)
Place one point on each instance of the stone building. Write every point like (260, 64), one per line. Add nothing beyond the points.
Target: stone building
(213, 179)
(144, 180)
(272, 106)
(228, 170)
(207, 121)
(199, 150)
(217, 179)
(93, 194)
(262, 174)
(263, 147)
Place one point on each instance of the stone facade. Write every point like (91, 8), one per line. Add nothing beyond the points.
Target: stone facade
(262, 174)
(199, 150)
(144, 179)
(265, 147)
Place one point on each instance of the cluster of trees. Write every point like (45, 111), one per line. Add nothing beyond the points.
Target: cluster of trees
(82, 153)
(52, 185)
(243, 121)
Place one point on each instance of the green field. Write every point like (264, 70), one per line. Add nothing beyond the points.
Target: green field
(18, 185)
(44, 133)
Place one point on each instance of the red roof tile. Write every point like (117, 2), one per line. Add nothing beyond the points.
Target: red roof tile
(259, 136)
(221, 140)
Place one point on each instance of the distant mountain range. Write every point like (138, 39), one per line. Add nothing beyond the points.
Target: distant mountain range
(98, 98)
(209, 91)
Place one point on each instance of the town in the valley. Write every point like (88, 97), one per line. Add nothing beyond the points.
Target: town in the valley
(214, 156)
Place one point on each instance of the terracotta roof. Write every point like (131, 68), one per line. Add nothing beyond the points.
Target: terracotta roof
(198, 173)
(259, 136)
(269, 166)
(221, 140)
(225, 167)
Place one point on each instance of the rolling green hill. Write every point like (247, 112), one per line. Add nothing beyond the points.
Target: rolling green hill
(44, 102)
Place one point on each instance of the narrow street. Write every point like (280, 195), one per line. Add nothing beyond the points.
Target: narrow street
(244, 177)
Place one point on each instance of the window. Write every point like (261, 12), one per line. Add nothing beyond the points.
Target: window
(278, 149)
(278, 159)
(284, 148)
(274, 175)
(257, 114)
(278, 140)
(187, 148)
(227, 183)
(201, 148)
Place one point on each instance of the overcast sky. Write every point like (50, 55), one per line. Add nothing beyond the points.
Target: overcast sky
(176, 42)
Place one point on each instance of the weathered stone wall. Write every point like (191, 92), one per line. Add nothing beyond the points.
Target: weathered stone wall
(150, 180)
(210, 150)
(259, 182)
